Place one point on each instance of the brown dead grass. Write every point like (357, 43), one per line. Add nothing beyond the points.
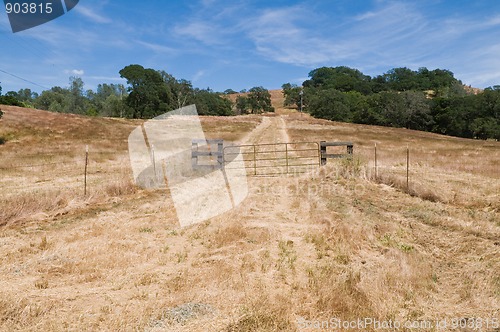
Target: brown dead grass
(336, 243)
(46, 150)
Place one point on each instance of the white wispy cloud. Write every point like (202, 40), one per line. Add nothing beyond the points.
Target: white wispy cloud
(283, 34)
(158, 48)
(390, 35)
(92, 15)
(481, 66)
(213, 23)
(493, 21)
(56, 38)
(278, 34)
(199, 74)
(205, 32)
(76, 72)
(291, 38)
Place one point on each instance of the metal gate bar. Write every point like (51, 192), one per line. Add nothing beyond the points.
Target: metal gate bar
(280, 156)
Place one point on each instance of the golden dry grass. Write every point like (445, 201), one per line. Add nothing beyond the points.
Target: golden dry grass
(337, 243)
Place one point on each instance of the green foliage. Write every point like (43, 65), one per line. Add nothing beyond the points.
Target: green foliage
(416, 111)
(259, 100)
(484, 128)
(475, 116)
(152, 93)
(92, 112)
(148, 94)
(398, 98)
(108, 100)
(330, 104)
(401, 79)
(343, 79)
(56, 99)
(9, 100)
(242, 104)
(230, 92)
(291, 93)
(64, 100)
(76, 100)
(26, 96)
(441, 82)
(209, 103)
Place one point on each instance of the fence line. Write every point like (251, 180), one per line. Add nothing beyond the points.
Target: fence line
(75, 162)
(87, 163)
(79, 167)
(29, 166)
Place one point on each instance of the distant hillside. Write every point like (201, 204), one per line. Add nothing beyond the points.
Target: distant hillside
(20, 124)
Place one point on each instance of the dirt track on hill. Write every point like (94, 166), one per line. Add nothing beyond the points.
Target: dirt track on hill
(453, 249)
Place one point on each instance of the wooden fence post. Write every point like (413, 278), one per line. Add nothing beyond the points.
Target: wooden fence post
(220, 154)
(85, 175)
(194, 154)
(322, 152)
(407, 167)
(376, 166)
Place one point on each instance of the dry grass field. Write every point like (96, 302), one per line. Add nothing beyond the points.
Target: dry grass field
(339, 242)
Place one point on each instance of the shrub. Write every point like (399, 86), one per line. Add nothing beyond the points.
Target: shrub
(9, 100)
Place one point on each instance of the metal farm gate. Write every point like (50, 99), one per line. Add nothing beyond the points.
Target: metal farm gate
(264, 159)
(273, 159)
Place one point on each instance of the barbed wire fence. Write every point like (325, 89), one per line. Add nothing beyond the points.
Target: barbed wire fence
(91, 157)
(88, 168)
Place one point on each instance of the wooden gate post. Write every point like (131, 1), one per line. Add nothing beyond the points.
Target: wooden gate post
(322, 152)
(220, 154)
(205, 148)
(194, 154)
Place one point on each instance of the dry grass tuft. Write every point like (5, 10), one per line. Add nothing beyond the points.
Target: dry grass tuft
(120, 188)
(413, 189)
(229, 234)
(262, 312)
(338, 291)
(28, 204)
(42, 283)
(19, 313)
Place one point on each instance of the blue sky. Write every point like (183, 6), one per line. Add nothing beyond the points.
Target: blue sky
(240, 44)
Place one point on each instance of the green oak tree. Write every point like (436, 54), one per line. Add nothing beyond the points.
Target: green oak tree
(259, 100)
(148, 95)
